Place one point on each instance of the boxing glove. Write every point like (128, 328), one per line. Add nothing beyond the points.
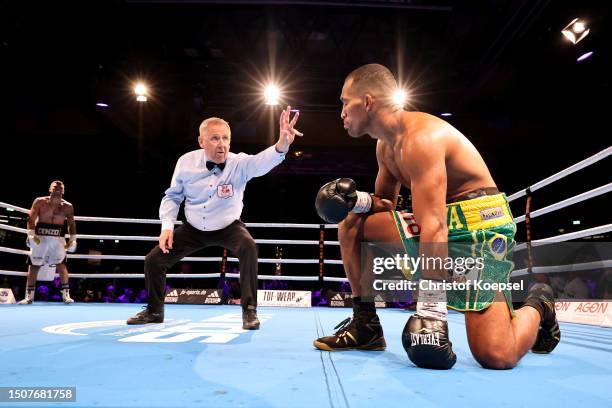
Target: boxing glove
(426, 342)
(339, 197)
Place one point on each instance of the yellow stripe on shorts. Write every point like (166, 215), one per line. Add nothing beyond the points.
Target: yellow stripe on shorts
(478, 214)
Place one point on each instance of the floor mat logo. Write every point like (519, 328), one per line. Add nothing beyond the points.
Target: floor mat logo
(216, 330)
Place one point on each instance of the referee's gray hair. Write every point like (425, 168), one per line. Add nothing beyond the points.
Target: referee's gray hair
(206, 122)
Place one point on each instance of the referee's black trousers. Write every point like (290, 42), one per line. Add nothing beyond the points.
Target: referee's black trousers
(188, 240)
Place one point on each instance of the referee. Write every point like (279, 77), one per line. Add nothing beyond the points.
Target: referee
(211, 182)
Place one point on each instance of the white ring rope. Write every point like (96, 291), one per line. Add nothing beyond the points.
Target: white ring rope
(156, 221)
(518, 272)
(559, 238)
(602, 229)
(188, 258)
(14, 208)
(278, 277)
(14, 229)
(581, 197)
(578, 166)
(14, 251)
(567, 202)
(553, 207)
(152, 238)
(13, 273)
(564, 268)
(332, 279)
(563, 173)
(180, 275)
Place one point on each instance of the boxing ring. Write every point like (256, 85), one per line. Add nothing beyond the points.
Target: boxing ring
(200, 356)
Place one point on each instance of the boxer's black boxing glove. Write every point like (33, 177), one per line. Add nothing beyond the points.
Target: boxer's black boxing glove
(336, 199)
(426, 342)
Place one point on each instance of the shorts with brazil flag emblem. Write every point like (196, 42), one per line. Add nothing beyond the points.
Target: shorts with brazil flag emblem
(482, 228)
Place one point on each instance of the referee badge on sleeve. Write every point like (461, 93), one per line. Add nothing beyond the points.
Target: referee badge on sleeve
(225, 191)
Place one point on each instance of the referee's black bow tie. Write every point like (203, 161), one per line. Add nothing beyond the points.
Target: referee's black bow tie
(211, 165)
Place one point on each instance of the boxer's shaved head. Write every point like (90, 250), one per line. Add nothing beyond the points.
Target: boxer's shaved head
(373, 79)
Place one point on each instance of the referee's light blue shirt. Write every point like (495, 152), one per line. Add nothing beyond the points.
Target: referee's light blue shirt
(213, 199)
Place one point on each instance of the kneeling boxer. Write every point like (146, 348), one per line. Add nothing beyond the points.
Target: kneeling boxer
(46, 241)
(454, 199)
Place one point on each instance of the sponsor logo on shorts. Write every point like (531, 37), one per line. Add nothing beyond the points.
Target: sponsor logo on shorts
(491, 213)
(54, 232)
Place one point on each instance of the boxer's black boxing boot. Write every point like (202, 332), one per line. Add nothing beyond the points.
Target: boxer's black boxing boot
(541, 298)
(362, 332)
(146, 316)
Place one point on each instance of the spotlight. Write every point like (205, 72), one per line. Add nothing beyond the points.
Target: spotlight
(399, 98)
(140, 89)
(446, 114)
(141, 92)
(102, 105)
(271, 95)
(575, 31)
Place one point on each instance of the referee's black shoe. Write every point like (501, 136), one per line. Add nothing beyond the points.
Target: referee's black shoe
(146, 316)
(249, 318)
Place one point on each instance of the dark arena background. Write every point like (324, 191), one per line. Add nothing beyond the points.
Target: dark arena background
(107, 95)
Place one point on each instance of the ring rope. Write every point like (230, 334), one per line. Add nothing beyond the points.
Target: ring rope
(518, 272)
(174, 275)
(188, 258)
(567, 202)
(14, 208)
(278, 277)
(333, 279)
(152, 238)
(156, 221)
(602, 229)
(564, 268)
(563, 173)
(559, 238)
(553, 207)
